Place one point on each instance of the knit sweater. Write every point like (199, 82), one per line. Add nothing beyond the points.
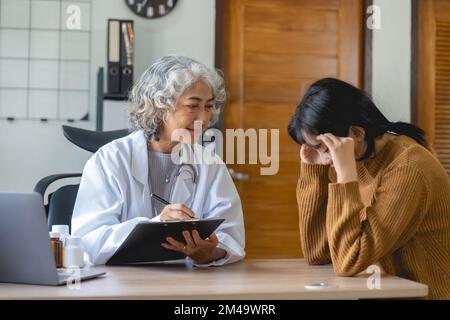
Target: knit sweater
(397, 216)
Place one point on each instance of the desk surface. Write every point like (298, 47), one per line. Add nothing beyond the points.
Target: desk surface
(250, 279)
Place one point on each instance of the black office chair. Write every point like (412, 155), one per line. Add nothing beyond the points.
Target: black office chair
(60, 203)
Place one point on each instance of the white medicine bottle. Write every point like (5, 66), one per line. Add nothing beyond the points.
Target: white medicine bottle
(73, 253)
(63, 230)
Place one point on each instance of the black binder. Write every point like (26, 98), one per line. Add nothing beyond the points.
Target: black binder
(113, 56)
(126, 55)
(143, 244)
(120, 55)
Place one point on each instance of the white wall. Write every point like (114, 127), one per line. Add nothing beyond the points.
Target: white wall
(30, 150)
(392, 60)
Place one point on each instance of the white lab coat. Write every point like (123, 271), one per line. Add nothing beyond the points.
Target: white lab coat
(114, 196)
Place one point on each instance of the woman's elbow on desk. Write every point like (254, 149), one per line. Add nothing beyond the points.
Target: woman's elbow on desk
(316, 260)
(344, 269)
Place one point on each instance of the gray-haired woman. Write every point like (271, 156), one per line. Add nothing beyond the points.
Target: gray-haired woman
(173, 95)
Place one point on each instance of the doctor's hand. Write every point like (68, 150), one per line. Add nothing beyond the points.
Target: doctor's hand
(176, 212)
(199, 250)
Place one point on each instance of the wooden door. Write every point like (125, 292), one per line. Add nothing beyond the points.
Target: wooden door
(271, 51)
(433, 78)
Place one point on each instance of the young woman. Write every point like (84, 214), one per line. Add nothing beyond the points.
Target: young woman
(369, 192)
(171, 96)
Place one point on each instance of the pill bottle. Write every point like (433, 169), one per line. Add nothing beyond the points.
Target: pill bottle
(63, 231)
(57, 248)
(73, 253)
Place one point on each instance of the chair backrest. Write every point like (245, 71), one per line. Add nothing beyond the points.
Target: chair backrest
(91, 140)
(61, 202)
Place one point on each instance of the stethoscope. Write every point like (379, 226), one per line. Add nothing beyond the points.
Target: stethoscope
(183, 171)
(187, 173)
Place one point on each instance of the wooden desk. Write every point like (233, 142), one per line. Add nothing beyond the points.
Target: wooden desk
(250, 279)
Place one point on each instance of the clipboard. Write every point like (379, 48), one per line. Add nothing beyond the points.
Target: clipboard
(143, 244)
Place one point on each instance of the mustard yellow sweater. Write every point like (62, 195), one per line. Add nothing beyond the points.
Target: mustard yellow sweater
(396, 216)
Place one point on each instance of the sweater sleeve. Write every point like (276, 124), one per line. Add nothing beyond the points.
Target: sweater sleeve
(360, 235)
(312, 190)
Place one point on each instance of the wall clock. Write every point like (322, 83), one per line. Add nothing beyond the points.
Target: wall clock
(151, 9)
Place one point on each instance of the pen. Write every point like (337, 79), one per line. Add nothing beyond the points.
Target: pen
(164, 201)
(159, 199)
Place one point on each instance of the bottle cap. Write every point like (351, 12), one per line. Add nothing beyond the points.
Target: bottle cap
(54, 234)
(61, 228)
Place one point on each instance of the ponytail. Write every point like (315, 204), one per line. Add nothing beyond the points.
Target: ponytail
(332, 105)
(407, 129)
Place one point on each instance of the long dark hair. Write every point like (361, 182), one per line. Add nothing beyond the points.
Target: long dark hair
(332, 106)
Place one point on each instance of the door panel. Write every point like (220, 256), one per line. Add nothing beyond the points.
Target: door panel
(288, 65)
(272, 51)
(287, 90)
(433, 114)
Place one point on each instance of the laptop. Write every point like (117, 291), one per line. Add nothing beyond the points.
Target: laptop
(25, 252)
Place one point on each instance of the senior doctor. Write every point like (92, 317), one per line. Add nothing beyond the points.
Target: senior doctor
(114, 195)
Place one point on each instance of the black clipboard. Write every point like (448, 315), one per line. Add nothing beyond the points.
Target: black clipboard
(143, 244)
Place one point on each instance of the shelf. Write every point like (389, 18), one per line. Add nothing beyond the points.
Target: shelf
(115, 96)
